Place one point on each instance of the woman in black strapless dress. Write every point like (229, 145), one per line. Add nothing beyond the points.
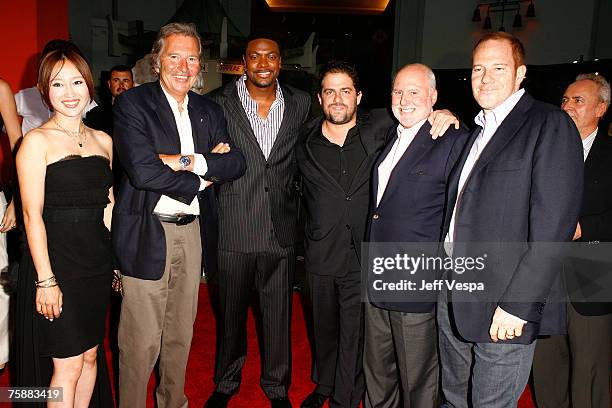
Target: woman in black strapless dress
(65, 277)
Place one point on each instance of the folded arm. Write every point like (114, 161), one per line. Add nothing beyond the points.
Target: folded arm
(141, 162)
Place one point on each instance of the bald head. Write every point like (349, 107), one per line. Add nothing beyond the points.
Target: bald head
(413, 94)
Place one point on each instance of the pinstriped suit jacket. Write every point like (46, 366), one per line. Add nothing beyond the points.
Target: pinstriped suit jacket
(264, 198)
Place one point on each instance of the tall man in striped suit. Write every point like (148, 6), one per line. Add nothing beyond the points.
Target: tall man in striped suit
(257, 221)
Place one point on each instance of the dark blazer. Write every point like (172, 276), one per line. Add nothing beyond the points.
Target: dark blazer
(525, 187)
(596, 214)
(412, 206)
(268, 186)
(145, 127)
(337, 218)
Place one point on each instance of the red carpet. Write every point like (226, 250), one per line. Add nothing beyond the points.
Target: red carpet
(201, 362)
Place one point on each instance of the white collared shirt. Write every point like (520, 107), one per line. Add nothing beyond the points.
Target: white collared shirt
(587, 143)
(405, 136)
(489, 121)
(167, 205)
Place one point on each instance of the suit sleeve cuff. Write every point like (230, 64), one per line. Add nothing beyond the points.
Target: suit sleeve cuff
(200, 167)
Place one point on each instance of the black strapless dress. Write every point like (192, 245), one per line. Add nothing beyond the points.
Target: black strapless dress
(76, 193)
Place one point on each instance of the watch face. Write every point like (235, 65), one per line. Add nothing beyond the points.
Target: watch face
(185, 161)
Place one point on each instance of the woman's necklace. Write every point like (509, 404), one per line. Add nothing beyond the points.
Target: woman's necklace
(79, 136)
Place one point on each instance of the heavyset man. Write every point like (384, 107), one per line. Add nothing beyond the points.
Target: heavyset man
(407, 205)
(172, 143)
(574, 370)
(518, 181)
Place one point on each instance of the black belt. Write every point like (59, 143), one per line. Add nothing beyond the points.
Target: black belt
(72, 214)
(178, 219)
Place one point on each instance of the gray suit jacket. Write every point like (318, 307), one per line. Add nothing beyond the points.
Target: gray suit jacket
(265, 197)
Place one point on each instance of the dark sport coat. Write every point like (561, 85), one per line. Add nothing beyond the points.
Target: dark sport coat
(412, 207)
(526, 187)
(144, 126)
(596, 213)
(337, 218)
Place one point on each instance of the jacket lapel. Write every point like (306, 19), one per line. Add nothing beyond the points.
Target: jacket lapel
(369, 135)
(290, 107)
(418, 148)
(311, 157)
(593, 161)
(453, 178)
(504, 134)
(170, 139)
(239, 115)
(198, 120)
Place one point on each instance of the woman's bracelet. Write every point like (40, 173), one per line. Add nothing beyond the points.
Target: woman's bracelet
(46, 283)
(46, 286)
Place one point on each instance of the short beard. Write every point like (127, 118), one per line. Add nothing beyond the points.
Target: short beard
(346, 118)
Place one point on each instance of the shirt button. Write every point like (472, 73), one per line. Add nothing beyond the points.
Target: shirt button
(343, 171)
(348, 227)
(347, 198)
(375, 216)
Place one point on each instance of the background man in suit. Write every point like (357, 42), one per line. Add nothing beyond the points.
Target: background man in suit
(101, 117)
(257, 216)
(173, 143)
(582, 358)
(519, 180)
(408, 196)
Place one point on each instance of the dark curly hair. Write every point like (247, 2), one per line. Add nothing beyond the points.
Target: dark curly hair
(340, 67)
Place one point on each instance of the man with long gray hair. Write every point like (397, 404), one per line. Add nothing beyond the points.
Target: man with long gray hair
(164, 222)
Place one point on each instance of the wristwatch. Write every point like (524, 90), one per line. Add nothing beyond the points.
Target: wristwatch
(185, 161)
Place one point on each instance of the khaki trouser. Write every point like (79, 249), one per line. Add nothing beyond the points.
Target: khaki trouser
(157, 322)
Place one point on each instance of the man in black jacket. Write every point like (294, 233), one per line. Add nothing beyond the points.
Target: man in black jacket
(335, 154)
(173, 144)
(574, 370)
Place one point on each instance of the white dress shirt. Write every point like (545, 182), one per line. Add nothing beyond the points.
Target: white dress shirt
(489, 122)
(167, 205)
(587, 143)
(405, 136)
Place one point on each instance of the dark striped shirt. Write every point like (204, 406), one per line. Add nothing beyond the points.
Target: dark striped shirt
(265, 130)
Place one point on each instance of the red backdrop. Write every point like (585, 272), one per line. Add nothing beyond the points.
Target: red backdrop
(26, 27)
